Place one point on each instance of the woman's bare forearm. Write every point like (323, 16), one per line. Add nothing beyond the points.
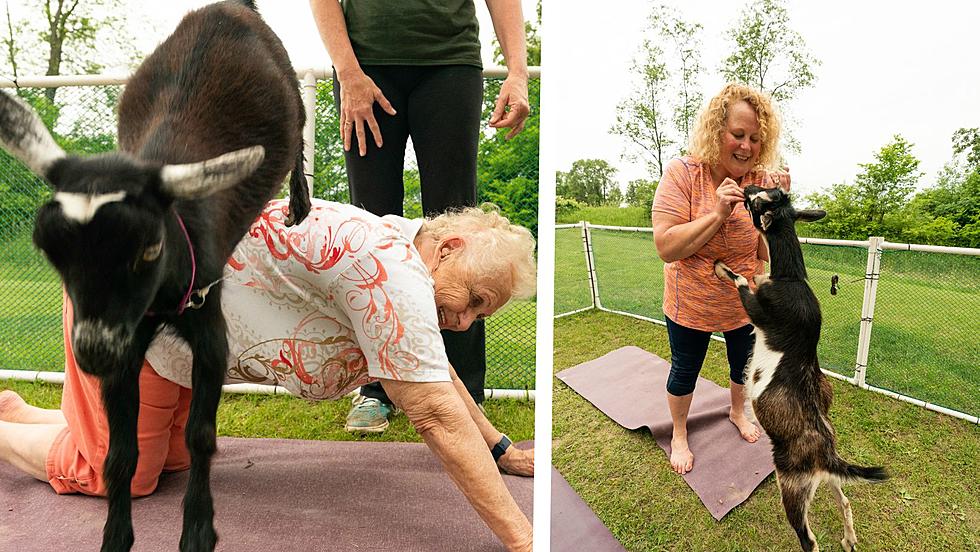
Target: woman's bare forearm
(676, 241)
(508, 24)
(439, 415)
(490, 434)
(329, 18)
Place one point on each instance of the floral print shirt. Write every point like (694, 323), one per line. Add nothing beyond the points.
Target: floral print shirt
(320, 308)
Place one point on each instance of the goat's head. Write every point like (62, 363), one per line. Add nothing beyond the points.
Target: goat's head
(771, 208)
(104, 228)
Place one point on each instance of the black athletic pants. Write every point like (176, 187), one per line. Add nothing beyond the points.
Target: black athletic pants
(439, 107)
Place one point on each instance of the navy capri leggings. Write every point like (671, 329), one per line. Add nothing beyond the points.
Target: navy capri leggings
(688, 348)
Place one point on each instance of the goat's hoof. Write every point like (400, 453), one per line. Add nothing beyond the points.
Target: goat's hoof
(849, 545)
(722, 271)
(199, 539)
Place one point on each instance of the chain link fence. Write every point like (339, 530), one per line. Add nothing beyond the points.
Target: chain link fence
(922, 311)
(83, 120)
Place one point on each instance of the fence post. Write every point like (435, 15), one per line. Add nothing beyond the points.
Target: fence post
(590, 264)
(871, 275)
(309, 129)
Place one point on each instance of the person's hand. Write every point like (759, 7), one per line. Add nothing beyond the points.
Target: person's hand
(357, 96)
(779, 178)
(728, 195)
(517, 461)
(512, 107)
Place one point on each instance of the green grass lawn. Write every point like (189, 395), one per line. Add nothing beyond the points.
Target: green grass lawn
(285, 417)
(923, 342)
(932, 501)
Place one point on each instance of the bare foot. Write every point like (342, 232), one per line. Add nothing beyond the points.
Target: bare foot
(681, 458)
(750, 432)
(15, 409)
(11, 406)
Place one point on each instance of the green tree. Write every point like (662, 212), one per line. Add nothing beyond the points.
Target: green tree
(76, 37)
(639, 193)
(966, 141)
(885, 185)
(589, 181)
(615, 197)
(877, 201)
(507, 170)
(644, 117)
(685, 38)
(768, 54)
(660, 111)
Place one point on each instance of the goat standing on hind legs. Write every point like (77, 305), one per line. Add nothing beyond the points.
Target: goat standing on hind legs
(209, 126)
(789, 394)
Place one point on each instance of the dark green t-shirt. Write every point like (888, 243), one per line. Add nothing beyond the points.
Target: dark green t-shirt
(413, 32)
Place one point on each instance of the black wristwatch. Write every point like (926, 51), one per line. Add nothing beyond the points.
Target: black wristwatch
(500, 448)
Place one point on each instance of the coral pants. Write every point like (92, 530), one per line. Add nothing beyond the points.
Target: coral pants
(74, 463)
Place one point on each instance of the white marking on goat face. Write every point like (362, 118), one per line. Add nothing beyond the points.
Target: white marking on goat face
(82, 207)
(764, 362)
(764, 196)
(110, 341)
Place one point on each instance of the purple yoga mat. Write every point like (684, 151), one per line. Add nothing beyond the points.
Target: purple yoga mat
(574, 526)
(275, 495)
(629, 386)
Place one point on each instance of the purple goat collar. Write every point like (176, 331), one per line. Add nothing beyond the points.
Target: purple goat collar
(190, 287)
(185, 302)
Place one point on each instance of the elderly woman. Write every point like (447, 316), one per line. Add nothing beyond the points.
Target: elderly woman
(341, 300)
(699, 217)
(412, 68)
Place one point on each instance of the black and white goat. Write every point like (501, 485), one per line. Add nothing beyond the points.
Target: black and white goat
(209, 127)
(789, 394)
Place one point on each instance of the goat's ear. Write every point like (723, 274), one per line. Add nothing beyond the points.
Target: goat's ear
(23, 135)
(810, 215)
(197, 180)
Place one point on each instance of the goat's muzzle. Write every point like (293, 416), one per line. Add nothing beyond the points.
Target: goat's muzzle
(99, 347)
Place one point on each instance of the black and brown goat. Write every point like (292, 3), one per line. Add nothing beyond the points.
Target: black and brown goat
(789, 394)
(209, 127)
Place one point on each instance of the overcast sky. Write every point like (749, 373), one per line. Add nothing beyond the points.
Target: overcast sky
(887, 68)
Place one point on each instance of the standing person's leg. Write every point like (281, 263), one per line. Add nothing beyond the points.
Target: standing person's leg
(688, 348)
(375, 180)
(376, 185)
(444, 119)
(738, 343)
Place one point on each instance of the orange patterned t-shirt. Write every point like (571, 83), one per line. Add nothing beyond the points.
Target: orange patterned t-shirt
(693, 296)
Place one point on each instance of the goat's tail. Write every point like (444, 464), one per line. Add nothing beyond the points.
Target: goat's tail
(250, 4)
(299, 192)
(849, 472)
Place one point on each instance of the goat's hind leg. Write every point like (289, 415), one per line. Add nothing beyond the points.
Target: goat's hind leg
(121, 399)
(210, 359)
(797, 491)
(849, 542)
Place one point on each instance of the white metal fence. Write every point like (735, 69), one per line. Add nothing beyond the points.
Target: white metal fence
(899, 319)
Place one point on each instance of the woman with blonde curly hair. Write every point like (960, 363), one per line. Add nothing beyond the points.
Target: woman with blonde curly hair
(319, 308)
(699, 217)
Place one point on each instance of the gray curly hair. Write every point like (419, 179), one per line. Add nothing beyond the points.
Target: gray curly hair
(497, 249)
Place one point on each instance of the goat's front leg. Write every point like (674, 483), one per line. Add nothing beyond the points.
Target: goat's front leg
(121, 399)
(749, 300)
(210, 358)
